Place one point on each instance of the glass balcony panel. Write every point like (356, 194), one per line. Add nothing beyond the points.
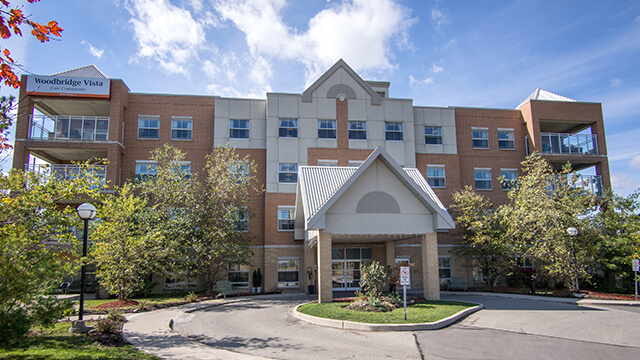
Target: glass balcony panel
(569, 144)
(85, 128)
(76, 129)
(69, 171)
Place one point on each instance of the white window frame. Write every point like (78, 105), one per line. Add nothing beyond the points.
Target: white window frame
(327, 162)
(288, 129)
(241, 221)
(190, 280)
(503, 177)
(238, 170)
(433, 136)
(147, 173)
(149, 118)
(280, 165)
(512, 140)
(289, 220)
(443, 177)
(333, 126)
(475, 138)
(189, 130)
(388, 132)
(355, 163)
(286, 284)
(238, 268)
(236, 128)
(443, 280)
(359, 127)
(476, 179)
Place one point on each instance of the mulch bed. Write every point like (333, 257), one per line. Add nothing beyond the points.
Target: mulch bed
(128, 304)
(116, 304)
(605, 296)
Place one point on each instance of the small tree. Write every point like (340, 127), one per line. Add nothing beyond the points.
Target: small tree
(373, 279)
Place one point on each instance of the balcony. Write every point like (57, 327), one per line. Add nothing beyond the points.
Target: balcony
(69, 171)
(569, 144)
(589, 183)
(65, 128)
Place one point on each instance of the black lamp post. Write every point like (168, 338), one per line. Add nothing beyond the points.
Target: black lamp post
(573, 232)
(86, 212)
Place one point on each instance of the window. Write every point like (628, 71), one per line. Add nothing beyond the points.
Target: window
(148, 128)
(357, 130)
(239, 170)
(182, 276)
(241, 220)
(327, 162)
(288, 127)
(355, 163)
(287, 172)
(433, 135)
(480, 137)
(288, 274)
(478, 275)
(393, 131)
(238, 129)
(506, 139)
(327, 129)
(181, 128)
(508, 178)
(435, 176)
(444, 268)
(145, 169)
(286, 218)
(239, 275)
(185, 169)
(482, 179)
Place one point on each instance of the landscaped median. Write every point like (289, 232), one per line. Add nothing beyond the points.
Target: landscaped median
(422, 315)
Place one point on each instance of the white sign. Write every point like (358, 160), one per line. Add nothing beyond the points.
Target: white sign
(404, 275)
(636, 264)
(68, 86)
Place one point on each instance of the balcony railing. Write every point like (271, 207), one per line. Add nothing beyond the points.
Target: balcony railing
(590, 183)
(68, 172)
(79, 128)
(569, 144)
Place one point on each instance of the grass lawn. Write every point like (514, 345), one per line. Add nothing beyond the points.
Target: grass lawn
(420, 312)
(58, 343)
(149, 300)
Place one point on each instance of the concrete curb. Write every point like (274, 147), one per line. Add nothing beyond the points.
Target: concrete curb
(350, 325)
(577, 301)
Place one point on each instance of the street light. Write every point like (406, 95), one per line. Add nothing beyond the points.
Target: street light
(573, 232)
(86, 212)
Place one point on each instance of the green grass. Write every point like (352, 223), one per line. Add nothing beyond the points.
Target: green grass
(420, 312)
(58, 343)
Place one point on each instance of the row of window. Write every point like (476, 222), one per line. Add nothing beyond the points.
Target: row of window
(482, 177)
(327, 129)
(149, 128)
(480, 138)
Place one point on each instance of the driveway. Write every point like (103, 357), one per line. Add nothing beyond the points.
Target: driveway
(507, 329)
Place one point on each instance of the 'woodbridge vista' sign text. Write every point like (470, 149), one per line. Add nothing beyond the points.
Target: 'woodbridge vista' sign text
(68, 86)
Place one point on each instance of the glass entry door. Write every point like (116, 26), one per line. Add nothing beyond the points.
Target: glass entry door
(345, 274)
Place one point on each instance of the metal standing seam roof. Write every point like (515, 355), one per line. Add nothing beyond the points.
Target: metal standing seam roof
(542, 94)
(416, 176)
(319, 183)
(89, 71)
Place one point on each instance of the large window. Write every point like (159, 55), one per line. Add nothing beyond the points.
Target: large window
(287, 172)
(508, 178)
(482, 178)
(288, 273)
(181, 128)
(506, 139)
(241, 220)
(357, 130)
(185, 169)
(444, 269)
(288, 127)
(149, 128)
(238, 129)
(436, 176)
(182, 276)
(239, 275)
(393, 131)
(145, 169)
(433, 135)
(286, 218)
(480, 137)
(327, 129)
(239, 170)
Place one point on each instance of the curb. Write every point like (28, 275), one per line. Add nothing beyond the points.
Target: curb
(351, 325)
(577, 301)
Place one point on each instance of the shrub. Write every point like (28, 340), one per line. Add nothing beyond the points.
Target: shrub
(191, 297)
(373, 279)
(13, 327)
(110, 324)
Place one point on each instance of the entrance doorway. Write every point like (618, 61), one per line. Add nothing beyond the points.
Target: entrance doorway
(345, 267)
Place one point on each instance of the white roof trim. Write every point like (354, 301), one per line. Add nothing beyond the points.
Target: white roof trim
(541, 94)
(375, 98)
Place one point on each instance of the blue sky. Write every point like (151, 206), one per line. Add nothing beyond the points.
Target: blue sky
(440, 53)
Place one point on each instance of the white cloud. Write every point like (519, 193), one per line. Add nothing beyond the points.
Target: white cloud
(615, 83)
(439, 17)
(416, 83)
(93, 50)
(635, 162)
(436, 69)
(166, 33)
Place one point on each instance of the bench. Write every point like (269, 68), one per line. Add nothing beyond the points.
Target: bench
(457, 282)
(226, 288)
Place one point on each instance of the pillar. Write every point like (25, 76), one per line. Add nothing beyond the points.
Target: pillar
(430, 276)
(325, 289)
(309, 262)
(390, 252)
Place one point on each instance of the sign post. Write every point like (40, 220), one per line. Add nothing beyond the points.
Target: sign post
(636, 268)
(404, 281)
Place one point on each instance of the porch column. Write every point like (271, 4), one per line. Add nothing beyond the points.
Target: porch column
(430, 277)
(325, 290)
(309, 262)
(390, 250)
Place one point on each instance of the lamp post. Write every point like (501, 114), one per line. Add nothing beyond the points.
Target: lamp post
(86, 212)
(573, 232)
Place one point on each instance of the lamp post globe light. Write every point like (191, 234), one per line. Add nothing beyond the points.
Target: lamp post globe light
(86, 212)
(572, 231)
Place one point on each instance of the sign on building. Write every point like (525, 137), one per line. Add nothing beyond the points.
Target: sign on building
(68, 86)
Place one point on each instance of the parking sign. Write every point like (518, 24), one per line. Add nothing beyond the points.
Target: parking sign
(404, 275)
(636, 264)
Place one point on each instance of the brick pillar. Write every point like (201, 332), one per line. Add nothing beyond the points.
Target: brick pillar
(325, 289)
(342, 117)
(430, 277)
(390, 253)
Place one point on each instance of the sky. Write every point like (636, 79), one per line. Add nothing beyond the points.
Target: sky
(490, 53)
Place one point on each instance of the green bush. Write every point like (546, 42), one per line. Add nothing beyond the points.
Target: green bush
(373, 279)
(191, 297)
(110, 324)
(13, 326)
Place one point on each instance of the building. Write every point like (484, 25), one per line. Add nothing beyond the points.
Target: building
(351, 173)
